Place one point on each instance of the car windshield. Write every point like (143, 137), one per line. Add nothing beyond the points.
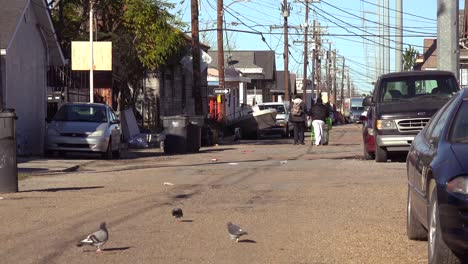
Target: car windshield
(279, 108)
(357, 108)
(418, 88)
(82, 113)
(460, 125)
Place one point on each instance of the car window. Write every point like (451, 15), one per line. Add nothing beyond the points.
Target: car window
(81, 113)
(460, 125)
(443, 119)
(417, 87)
(434, 120)
(280, 109)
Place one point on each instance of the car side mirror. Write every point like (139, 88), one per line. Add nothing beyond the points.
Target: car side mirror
(367, 101)
(363, 118)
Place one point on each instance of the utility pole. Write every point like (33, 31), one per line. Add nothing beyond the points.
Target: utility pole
(327, 73)
(335, 72)
(387, 34)
(379, 36)
(399, 36)
(448, 50)
(306, 52)
(196, 59)
(314, 57)
(220, 53)
(91, 51)
(318, 57)
(349, 86)
(285, 10)
(342, 86)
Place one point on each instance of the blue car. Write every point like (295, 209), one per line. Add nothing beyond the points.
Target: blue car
(437, 168)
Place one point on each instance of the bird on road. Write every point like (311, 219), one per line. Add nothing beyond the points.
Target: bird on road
(177, 213)
(235, 231)
(97, 239)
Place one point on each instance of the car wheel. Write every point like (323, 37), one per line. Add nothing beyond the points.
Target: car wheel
(381, 154)
(414, 229)
(368, 156)
(438, 251)
(108, 153)
(48, 153)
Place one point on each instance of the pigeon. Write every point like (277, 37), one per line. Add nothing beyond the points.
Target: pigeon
(177, 213)
(235, 231)
(97, 238)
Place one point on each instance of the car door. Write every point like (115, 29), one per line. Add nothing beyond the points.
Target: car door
(426, 151)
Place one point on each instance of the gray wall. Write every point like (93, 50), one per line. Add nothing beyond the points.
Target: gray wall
(2, 80)
(26, 85)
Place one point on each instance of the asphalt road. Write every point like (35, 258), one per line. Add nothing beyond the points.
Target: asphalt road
(300, 205)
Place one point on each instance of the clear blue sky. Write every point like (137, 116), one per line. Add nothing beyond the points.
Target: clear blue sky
(341, 18)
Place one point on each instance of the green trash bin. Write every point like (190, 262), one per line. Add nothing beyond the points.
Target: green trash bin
(8, 164)
(183, 134)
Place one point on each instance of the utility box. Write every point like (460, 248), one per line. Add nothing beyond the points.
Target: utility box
(8, 165)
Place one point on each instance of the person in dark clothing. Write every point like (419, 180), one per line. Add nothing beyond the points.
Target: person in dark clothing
(297, 115)
(319, 113)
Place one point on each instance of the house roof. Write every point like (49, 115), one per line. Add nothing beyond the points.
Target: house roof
(255, 59)
(10, 13)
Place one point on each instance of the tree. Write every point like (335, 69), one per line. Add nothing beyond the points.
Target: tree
(143, 32)
(409, 58)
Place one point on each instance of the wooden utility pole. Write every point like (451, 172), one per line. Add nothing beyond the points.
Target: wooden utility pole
(196, 59)
(335, 74)
(349, 87)
(318, 57)
(314, 57)
(220, 52)
(342, 86)
(306, 52)
(91, 51)
(285, 9)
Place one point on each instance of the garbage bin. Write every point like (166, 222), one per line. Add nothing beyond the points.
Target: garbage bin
(183, 134)
(8, 166)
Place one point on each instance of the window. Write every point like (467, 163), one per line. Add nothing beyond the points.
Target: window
(460, 125)
(443, 120)
(81, 113)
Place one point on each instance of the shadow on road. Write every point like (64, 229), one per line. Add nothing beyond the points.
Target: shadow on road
(117, 249)
(247, 241)
(64, 189)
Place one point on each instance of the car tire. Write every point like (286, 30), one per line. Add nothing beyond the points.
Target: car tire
(116, 153)
(108, 154)
(438, 251)
(414, 229)
(381, 154)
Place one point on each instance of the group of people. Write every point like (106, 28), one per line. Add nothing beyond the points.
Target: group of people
(298, 116)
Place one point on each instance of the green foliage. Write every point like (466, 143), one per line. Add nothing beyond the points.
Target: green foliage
(409, 58)
(144, 35)
(156, 39)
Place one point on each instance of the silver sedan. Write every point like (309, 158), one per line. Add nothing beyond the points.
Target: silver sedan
(84, 127)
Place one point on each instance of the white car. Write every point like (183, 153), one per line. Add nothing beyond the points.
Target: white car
(84, 127)
(282, 126)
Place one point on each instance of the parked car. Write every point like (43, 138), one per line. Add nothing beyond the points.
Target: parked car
(437, 171)
(402, 104)
(368, 137)
(84, 127)
(282, 126)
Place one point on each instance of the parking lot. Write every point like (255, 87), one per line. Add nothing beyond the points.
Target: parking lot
(300, 204)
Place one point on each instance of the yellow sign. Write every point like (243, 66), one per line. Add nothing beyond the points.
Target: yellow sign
(102, 51)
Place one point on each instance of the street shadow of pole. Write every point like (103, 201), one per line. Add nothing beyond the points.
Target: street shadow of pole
(62, 189)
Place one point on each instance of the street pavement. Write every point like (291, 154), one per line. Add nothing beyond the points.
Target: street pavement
(299, 204)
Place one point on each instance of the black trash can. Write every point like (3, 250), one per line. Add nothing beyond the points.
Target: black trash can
(8, 165)
(183, 134)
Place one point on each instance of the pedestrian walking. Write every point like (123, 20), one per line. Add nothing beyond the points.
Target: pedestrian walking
(298, 117)
(319, 113)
